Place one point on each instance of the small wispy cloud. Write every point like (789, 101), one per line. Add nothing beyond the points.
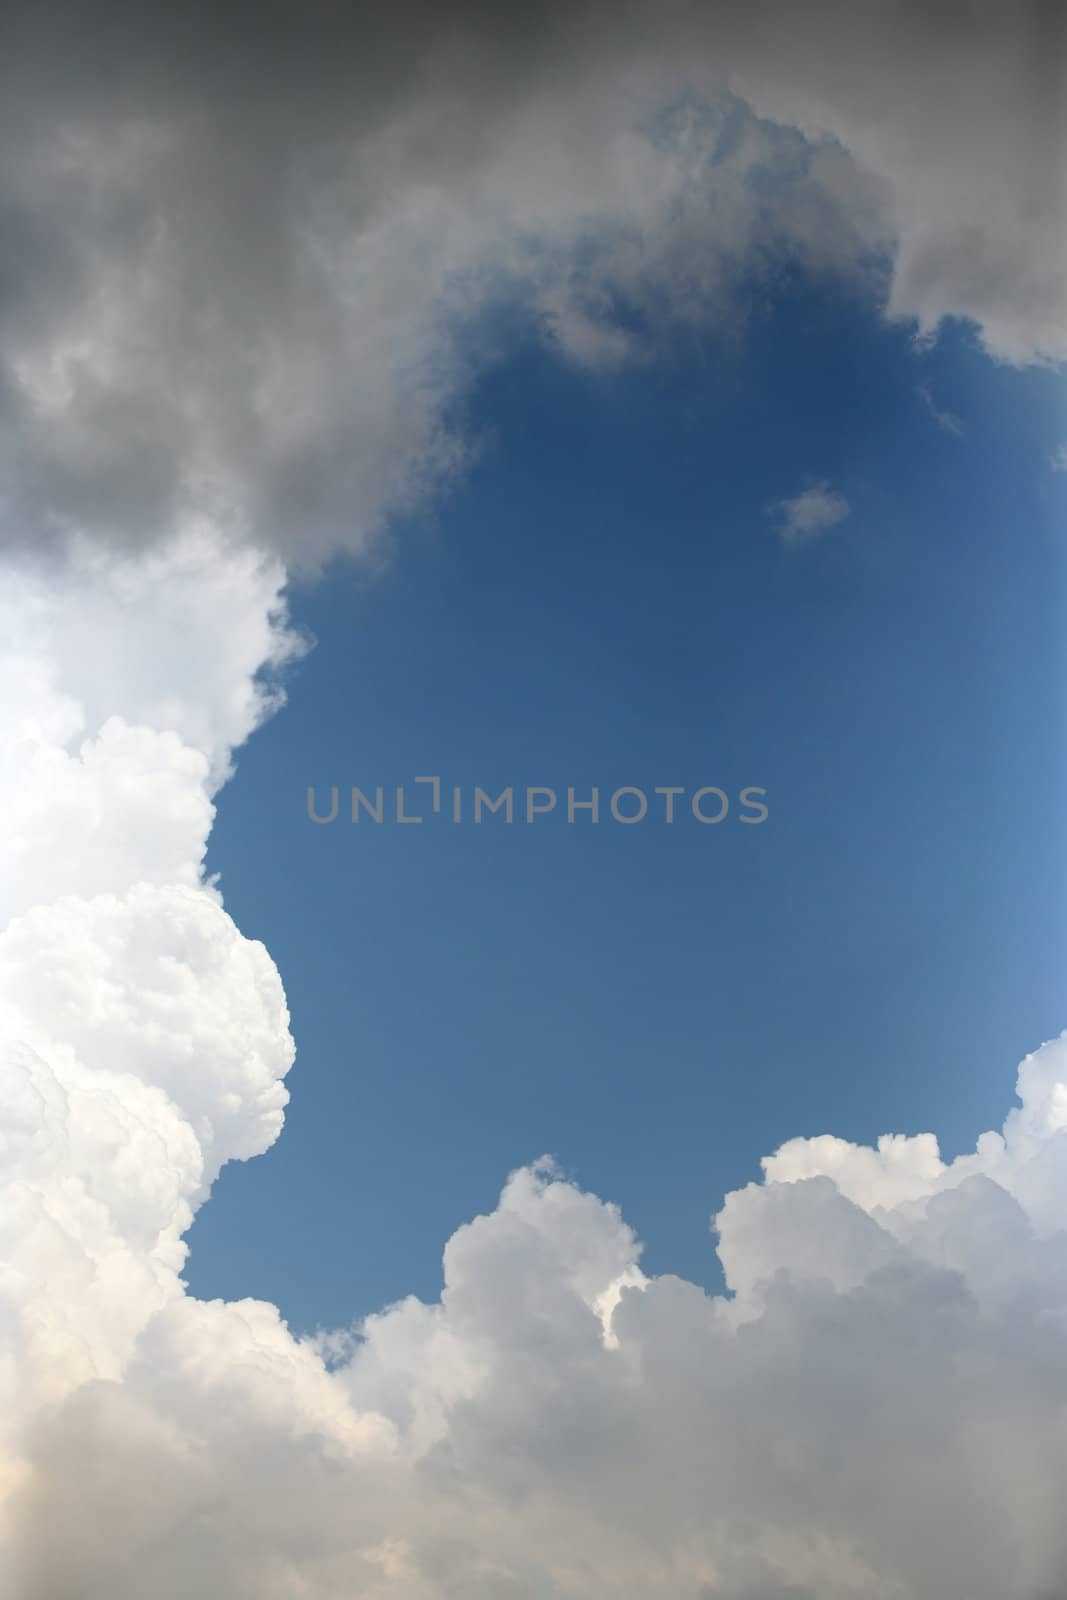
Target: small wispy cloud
(1058, 459)
(946, 420)
(810, 513)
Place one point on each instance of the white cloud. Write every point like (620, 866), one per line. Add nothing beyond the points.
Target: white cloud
(124, 684)
(877, 1412)
(947, 421)
(1058, 459)
(810, 513)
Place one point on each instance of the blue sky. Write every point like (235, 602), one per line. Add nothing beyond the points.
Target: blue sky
(605, 600)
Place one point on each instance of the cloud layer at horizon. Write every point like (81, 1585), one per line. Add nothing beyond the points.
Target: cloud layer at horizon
(195, 393)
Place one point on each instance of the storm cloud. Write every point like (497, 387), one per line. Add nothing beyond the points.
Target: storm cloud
(255, 260)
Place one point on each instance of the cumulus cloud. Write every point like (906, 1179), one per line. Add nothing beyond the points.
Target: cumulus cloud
(145, 1039)
(125, 682)
(251, 260)
(810, 513)
(877, 1410)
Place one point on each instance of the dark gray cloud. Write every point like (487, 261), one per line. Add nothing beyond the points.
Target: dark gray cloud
(249, 251)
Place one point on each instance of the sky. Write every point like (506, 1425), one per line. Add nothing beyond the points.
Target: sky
(630, 397)
(608, 599)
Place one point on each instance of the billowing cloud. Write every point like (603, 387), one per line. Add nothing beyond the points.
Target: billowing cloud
(146, 1039)
(125, 682)
(809, 513)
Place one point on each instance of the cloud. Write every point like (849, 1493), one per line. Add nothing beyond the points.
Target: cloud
(875, 1411)
(125, 682)
(1058, 459)
(946, 420)
(145, 1040)
(255, 270)
(810, 513)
